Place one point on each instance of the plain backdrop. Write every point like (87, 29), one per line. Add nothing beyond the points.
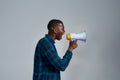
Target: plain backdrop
(24, 22)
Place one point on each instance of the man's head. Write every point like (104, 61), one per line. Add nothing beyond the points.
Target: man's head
(56, 28)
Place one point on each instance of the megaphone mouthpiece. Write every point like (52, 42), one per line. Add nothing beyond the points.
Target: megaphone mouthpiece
(68, 36)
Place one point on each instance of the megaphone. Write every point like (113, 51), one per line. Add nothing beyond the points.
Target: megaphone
(77, 36)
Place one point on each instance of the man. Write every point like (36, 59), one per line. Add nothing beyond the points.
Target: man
(47, 63)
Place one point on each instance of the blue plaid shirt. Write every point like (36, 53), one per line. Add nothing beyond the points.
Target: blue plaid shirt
(47, 63)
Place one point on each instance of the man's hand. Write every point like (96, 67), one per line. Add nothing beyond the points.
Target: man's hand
(72, 45)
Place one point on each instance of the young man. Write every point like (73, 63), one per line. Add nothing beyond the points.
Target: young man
(47, 63)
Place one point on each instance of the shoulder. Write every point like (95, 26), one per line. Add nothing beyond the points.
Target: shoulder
(43, 40)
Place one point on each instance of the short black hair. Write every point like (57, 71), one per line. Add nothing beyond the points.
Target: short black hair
(53, 23)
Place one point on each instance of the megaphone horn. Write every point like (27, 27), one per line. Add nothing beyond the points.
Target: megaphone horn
(74, 36)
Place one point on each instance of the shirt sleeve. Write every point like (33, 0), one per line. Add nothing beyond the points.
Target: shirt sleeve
(51, 54)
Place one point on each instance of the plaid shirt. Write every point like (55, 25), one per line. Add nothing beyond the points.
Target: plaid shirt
(47, 63)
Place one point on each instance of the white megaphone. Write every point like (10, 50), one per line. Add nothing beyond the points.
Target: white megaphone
(74, 36)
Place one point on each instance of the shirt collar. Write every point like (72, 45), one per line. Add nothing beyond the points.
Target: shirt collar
(50, 38)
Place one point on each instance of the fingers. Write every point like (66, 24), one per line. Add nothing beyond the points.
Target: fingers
(72, 45)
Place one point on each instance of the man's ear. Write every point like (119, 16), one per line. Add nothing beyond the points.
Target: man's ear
(55, 30)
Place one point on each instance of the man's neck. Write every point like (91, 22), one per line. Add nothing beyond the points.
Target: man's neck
(53, 36)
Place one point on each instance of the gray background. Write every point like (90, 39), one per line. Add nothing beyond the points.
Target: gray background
(23, 23)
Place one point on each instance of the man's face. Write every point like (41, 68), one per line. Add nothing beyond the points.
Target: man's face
(60, 31)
